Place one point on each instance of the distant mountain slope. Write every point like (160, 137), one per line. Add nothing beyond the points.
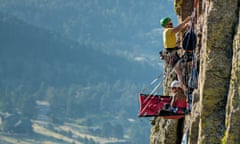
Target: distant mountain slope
(131, 26)
(34, 55)
(76, 80)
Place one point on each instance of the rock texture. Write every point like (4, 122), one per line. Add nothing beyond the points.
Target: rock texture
(232, 124)
(216, 103)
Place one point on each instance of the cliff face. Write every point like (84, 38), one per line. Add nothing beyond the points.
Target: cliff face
(216, 102)
(232, 124)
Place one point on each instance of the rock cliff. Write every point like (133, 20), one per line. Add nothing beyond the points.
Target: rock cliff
(216, 103)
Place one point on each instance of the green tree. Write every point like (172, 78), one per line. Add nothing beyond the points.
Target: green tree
(118, 131)
(107, 129)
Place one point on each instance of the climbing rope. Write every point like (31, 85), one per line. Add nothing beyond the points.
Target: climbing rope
(185, 134)
(152, 83)
(154, 91)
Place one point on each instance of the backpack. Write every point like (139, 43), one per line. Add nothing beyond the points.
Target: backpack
(189, 39)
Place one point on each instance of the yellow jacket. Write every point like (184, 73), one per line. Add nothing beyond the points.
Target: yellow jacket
(169, 38)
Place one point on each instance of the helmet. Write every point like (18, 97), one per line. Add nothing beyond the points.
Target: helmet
(176, 83)
(164, 21)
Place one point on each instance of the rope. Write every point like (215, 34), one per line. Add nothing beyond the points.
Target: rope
(147, 104)
(152, 83)
(153, 91)
(185, 135)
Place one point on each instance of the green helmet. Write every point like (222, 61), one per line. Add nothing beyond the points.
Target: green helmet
(164, 21)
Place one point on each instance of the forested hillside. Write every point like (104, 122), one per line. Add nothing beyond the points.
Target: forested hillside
(78, 62)
(56, 60)
(75, 79)
(125, 27)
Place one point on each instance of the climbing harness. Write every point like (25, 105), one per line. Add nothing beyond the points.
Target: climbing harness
(170, 56)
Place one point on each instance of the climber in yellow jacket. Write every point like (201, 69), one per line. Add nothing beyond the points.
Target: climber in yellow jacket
(170, 40)
(169, 33)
